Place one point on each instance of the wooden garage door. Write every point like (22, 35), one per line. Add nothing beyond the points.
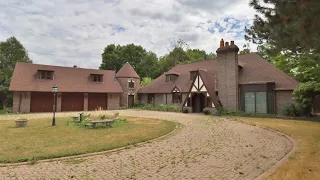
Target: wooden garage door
(97, 100)
(41, 102)
(72, 102)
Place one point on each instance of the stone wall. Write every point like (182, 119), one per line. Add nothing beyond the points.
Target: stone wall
(21, 102)
(159, 99)
(124, 82)
(113, 101)
(283, 99)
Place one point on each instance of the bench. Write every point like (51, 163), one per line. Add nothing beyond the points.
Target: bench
(93, 123)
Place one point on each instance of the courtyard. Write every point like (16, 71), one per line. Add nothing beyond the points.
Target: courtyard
(202, 147)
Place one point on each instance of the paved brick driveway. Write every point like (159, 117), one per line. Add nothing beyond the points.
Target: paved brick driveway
(205, 148)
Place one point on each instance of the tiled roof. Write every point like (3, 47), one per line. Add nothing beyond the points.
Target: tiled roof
(253, 69)
(127, 71)
(67, 79)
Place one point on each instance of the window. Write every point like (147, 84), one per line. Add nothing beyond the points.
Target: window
(96, 77)
(169, 78)
(151, 98)
(131, 84)
(255, 102)
(193, 75)
(176, 98)
(47, 75)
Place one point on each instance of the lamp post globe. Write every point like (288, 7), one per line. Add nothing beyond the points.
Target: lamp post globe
(54, 91)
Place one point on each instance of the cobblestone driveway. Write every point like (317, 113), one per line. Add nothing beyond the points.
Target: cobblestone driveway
(205, 148)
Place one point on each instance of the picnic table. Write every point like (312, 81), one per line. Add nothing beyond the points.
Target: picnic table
(93, 123)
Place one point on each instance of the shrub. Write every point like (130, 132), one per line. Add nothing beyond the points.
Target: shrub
(4, 111)
(138, 103)
(206, 111)
(162, 107)
(290, 110)
(304, 95)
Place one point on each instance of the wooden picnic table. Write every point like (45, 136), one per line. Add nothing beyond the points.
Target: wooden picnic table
(93, 123)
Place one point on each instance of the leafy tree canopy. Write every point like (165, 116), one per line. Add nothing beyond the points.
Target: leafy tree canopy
(305, 94)
(145, 63)
(11, 51)
(288, 26)
(145, 81)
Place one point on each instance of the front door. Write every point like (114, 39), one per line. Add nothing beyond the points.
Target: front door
(130, 101)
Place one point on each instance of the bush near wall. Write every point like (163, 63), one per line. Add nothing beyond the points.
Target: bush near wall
(155, 107)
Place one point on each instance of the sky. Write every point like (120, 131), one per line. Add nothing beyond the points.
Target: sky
(75, 32)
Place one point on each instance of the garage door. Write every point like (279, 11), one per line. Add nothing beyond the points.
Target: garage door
(41, 102)
(97, 100)
(72, 102)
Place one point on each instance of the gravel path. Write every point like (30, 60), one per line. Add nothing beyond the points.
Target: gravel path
(205, 148)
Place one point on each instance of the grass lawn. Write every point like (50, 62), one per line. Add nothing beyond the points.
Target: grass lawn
(42, 141)
(305, 162)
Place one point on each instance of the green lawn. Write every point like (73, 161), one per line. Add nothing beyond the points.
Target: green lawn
(42, 141)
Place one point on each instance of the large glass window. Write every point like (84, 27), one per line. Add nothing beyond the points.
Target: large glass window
(255, 102)
(261, 102)
(249, 102)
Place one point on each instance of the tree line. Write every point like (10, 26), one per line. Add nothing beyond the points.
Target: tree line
(146, 63)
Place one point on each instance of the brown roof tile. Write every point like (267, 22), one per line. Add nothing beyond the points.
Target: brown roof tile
(67, 79)
(127, 71)
(254, 69)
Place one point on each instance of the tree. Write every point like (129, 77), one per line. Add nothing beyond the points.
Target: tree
(246, 49)
(115, 56)
(303, 67)
(195, 55)
(11, 52)
(305, 94)
(145, 81)
(149, 66)
(288, 26)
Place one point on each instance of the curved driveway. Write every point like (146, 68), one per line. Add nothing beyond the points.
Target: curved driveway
(204, 148)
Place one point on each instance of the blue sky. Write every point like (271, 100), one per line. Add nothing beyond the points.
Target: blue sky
(62, 32)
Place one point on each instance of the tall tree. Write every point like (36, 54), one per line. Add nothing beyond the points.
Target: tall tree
(288, 26)
(115, 56)
(246, 49)
(11, 51)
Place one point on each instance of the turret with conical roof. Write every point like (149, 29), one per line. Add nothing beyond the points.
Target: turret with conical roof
(130, 82)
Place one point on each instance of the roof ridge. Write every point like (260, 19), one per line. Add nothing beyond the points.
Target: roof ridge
(64, 66)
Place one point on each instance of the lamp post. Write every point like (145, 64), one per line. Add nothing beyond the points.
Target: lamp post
(55, 91)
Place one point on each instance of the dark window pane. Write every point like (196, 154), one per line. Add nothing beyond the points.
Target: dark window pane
(261, 102)
(249, 102)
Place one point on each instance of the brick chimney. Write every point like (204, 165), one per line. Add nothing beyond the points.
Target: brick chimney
(228, 78)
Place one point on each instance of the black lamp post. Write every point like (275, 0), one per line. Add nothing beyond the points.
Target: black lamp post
(55, 91)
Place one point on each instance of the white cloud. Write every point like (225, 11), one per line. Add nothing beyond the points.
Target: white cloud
(62, 32)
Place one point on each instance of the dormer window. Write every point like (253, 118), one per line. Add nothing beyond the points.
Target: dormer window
(169, 78)
(45, 75)
(96, 77)
(193, 75)
(131, 83)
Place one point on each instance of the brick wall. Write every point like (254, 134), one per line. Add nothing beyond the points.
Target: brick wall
(143, 98)
(228, 77)
(113, 101)
(159, 99)
(21, 102)
(283, 98)
(124, 82)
